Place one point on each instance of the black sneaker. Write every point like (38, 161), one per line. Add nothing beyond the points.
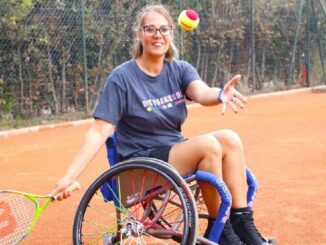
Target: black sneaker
(244, 227)
(228, 236)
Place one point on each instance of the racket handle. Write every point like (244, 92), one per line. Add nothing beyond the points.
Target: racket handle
(74, 186)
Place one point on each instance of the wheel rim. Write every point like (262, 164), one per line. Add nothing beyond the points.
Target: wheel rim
(151, 212)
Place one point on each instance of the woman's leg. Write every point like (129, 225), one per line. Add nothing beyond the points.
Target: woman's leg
(234, 175)
(200, 153)
(233, 166)
(220, 153)
(206, 153)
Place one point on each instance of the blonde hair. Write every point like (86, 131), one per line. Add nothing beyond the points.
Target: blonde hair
(137, 47)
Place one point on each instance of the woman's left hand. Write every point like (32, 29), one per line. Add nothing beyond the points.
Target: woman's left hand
(230, 96)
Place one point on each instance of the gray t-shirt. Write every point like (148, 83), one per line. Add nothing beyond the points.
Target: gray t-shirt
(148, 111)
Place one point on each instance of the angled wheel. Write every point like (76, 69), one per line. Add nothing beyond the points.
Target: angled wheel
(138, 201)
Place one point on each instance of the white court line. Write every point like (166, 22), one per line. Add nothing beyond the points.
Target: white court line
(13, 132)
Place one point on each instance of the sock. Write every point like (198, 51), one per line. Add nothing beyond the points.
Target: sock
(209, 226)
(240, 210)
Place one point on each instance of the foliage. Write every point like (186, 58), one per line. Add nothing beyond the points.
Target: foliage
(42, 57)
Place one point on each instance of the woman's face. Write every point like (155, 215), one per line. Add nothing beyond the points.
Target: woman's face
(155, 35)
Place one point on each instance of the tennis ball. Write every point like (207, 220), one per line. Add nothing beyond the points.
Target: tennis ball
(188, 19)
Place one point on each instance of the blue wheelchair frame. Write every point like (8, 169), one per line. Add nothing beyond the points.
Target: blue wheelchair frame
(203, 176)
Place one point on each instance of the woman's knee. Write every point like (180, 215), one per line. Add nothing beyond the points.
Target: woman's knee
(208, 144)
(228, 139)
(196, 153)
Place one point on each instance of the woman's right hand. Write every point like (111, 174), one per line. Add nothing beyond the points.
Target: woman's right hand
(230, 96)
(61, 189)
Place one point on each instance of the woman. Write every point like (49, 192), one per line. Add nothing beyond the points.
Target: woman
(143, 102)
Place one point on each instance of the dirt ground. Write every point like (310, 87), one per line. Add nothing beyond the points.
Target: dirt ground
(285, 144)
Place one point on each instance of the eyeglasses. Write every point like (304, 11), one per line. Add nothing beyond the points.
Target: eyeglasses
(152, 30)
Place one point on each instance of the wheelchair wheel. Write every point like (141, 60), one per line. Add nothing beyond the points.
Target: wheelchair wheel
(138, 201)
(201, 208)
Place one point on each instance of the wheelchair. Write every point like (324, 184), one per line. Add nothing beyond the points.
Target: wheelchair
(145, 201)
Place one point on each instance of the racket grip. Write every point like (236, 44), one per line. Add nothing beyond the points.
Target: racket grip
(74, 186)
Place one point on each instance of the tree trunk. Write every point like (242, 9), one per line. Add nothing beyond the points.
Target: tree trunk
(213, 9)
(54, 94)
(206, 66)
(247, 82)
(263, 60)
(295, 44)
(213, 84)
(198, 52)
(319, 37)
(30, 92)
(214, 79)
(323, 5)
(95, 94)
(259, 81)
(308, 40)
(20, 75)
(230, 62)
(253, 50)
(64, 83)
(202, 65)
(85, 57)
(75, 93)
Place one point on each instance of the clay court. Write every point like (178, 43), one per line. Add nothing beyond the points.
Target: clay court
(285, 144)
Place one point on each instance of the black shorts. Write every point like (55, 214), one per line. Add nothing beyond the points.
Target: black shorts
(161, 153)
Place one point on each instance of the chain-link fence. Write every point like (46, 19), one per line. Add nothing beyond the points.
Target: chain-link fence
(55, 55)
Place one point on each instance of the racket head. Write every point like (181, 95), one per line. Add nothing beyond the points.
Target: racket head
(19, 213)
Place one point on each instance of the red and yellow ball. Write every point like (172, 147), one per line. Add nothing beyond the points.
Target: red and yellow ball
(188, 19)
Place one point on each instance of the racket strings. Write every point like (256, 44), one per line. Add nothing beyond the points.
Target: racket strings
(16, 215)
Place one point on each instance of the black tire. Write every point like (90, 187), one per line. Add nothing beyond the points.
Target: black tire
(154, 206)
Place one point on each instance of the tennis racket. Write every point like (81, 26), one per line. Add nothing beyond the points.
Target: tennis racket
(19, 212)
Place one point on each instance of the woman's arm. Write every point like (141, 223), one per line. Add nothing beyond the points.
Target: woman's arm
(199, 92)
(95, 138)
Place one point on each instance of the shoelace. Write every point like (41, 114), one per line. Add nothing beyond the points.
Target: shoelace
(252, 228)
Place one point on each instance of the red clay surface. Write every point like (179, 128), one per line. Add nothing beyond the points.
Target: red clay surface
(285, 143)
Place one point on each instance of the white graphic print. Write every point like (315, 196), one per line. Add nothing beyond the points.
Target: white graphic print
(165, 102)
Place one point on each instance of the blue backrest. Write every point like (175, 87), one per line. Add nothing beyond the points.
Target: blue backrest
(109, 189)
(111, 150)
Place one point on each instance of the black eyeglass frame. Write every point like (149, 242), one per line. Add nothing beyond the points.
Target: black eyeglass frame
(158, 29)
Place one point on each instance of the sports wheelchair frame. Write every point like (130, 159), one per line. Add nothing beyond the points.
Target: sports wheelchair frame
(145, 201)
